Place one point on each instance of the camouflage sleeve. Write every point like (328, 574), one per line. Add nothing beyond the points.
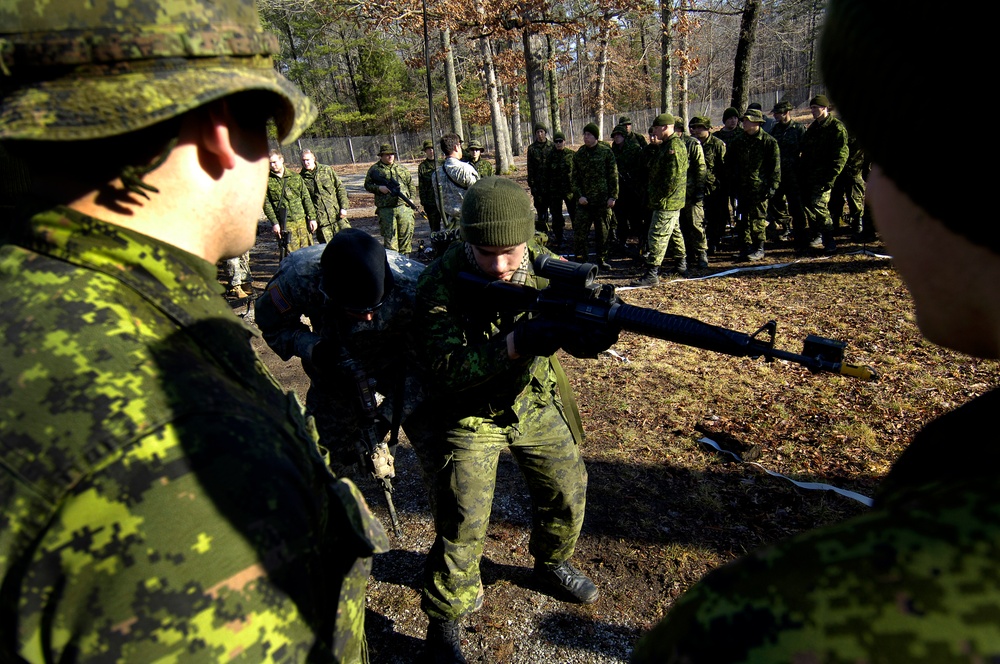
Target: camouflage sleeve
(269, 211)
(370, 185)
(307, 203)
(455, 361)
(405, 181)
(774, 157)
(612, 170)
(701, 170)
(202, 541)
(338, 184)
(280, 322)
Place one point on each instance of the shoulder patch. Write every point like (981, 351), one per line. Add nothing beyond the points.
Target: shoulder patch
(279, 300)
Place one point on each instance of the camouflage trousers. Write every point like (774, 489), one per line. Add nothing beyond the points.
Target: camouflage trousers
(326, 232)
(597, 215)
(751, 220)
(692, 223)
(238, 270)
(785, 207)
(299, 235)
(463, 479)
(664, 234)
(717, 218)
(396, 226)
(816, 205)
(556, 223)
(849, 186)
(433, 218)
(540, 201)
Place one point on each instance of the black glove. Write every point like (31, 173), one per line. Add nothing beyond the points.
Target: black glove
(538, 337)
(587, 341)
(325, 356)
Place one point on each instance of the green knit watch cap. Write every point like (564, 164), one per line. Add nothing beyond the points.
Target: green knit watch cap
(556, 136)
(663, 120)
(496, 212)
(782, 106)
(819, 100)
(591, 128)
(700, 121)
(87, 69)
(753, 115)
(385, 148)
(428, 144)
(730, 113)
(539, 125)
(624, 120)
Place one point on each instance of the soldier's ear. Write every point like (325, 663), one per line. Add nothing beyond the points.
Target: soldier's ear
(219, 136)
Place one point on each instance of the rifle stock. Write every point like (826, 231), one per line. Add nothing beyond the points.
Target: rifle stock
(572, 293)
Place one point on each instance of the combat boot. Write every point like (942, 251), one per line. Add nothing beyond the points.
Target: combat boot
(702, 260)
(649, 277)
(565, 582)
(238, 292)
(444, 642)
(757, 254)
(681, 266)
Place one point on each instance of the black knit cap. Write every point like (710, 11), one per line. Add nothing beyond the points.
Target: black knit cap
(730, 113)
(497, 212)
(356, 273)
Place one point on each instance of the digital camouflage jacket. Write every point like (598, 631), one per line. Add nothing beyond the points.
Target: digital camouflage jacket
(464, 343)
(666, 174)
(329, 197)
(296, 198)
(789, 137)
(483, 166)
(627, 160)
(559, 174)
(696, 172)
(595, 174)
(425, 183)
(753, 166)
(715, 154)
(822, 153)
(394, 171)
(916, 579)
(537, 154)
(161, 498)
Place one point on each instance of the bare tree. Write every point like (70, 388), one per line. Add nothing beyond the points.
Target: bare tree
(744, 51)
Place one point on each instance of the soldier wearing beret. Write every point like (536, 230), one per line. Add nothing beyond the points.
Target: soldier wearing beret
(161, 499)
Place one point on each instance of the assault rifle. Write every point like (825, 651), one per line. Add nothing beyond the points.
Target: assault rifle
(573, 295)
(372, 449)
(284, 235)
(380, 179)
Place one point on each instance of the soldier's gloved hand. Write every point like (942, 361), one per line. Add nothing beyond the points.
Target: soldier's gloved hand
(325, 356)
(538, 337)
(587, 341)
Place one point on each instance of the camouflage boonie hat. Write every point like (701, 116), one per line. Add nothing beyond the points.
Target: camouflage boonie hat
(474, 145)
(428, 144)
(385, 148)
(753, 115)
(782, 106)
(624, 120)
(700, 121)
(87, 70)
(619, 129)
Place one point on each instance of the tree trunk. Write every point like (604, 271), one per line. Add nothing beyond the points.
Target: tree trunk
(451, 83)
(682, 108)
(553, 82)
(666, 49)
(535, 59)
(516, 137)
(497, 119)
(744, 52)
(645, 62)
(602, 68)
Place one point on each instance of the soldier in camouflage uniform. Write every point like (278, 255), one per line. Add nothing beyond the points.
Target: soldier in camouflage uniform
(631, 205)
(595, 188)
(358, 299)
(161, 498)
(693, 213)
(559, 185)
(786, 204)
(917, 578)
(286, 190)
(505, 391)
(395, 218)
(425, 186)
(483, 166)
(730, 126)
(823, 153)
(538, 153)
(638, 139)
(238, 271)
(753, 171)
(716, 201)
(328, 194)
(849, 186)
(666, 185)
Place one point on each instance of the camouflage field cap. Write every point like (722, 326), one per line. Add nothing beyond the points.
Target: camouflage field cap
(474, 145)
(385, 148)
(79, 70)
(428, 144)
(753, 115)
